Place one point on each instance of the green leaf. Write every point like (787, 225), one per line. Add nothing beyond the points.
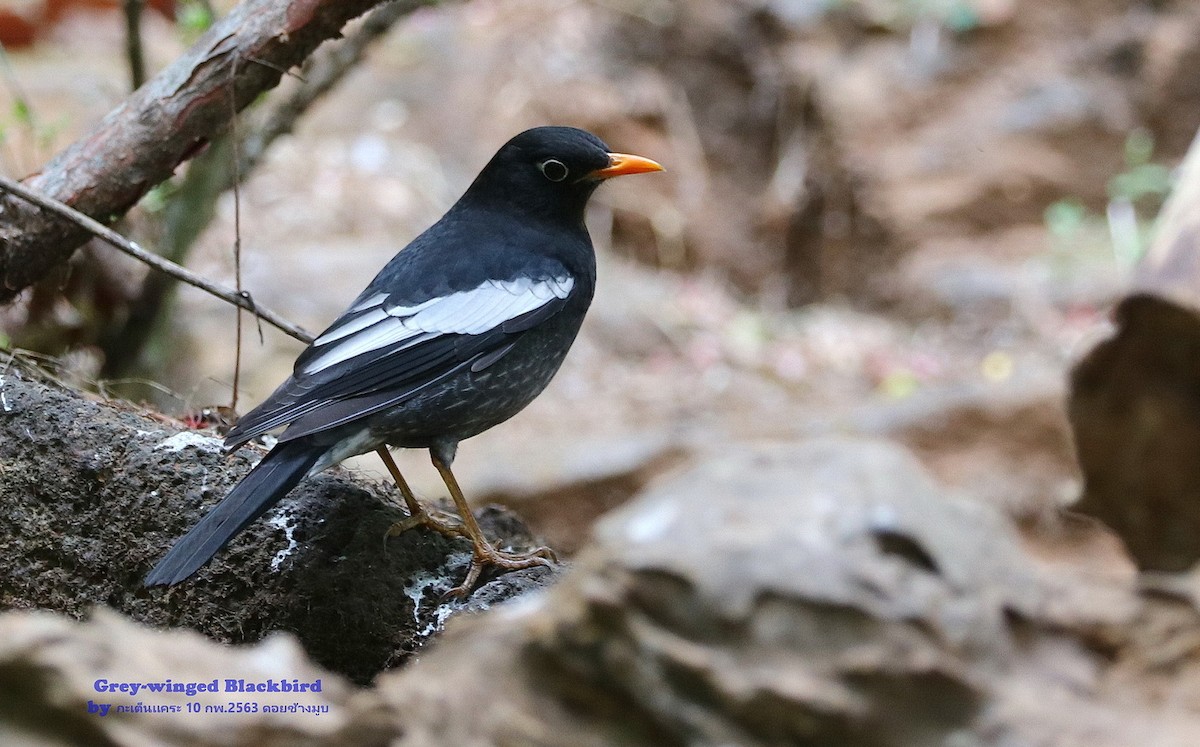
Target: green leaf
(155, 200)
(1139, 147)
(1065, 218)
(1141, 181)
(194, 19)
(21, 112)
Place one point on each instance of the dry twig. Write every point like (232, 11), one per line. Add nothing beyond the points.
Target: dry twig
(111, 237)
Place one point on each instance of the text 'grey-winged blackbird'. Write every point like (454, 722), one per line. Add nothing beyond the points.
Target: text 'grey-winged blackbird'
(459, 332)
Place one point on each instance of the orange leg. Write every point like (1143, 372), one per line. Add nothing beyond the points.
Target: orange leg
(417, 515)
(484, 553)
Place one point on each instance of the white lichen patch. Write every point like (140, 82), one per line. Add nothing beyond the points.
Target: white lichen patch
(422, 582)
(281, 520)
(4, 405)
(184, 439)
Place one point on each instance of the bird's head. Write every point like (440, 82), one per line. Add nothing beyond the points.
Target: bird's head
(551, 172)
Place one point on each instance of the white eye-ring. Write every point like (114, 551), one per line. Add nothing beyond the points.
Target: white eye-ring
(554, 169)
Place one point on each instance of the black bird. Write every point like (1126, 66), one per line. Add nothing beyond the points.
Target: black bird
(459, 332)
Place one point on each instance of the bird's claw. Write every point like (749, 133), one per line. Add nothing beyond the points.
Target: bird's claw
(425, 519)
(485, 555)
(542, 553)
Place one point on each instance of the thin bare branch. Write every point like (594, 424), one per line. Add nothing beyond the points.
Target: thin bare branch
(234, 157)
(118, 241)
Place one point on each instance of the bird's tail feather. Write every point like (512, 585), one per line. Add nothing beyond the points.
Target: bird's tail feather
(275, 475)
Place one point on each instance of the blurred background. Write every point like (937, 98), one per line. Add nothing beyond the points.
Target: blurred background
(898, 218)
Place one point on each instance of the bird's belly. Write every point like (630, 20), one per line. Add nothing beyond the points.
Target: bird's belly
(469, 403)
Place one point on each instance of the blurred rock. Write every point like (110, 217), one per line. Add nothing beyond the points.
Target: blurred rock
(1021, 274)
(816, 593)
(50, 667)
(780, 608)
(1134, 404)
(1005, 443)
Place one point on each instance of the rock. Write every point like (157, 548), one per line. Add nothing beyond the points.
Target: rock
(94, 494)
(825, 592)
(815, 594)
(784, 607)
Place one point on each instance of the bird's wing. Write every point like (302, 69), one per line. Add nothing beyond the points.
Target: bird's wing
(380, 352)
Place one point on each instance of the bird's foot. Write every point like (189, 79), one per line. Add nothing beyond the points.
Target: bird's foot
(425, 519)
(485, 555)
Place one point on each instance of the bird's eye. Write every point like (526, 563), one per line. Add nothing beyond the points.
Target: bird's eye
(553, 169)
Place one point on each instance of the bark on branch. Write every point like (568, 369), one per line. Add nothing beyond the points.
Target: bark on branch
(141, 142)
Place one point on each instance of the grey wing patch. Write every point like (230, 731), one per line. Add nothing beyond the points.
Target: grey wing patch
(471, 312)
(398, 350)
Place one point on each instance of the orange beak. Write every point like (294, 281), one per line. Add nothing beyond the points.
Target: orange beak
(620, 164)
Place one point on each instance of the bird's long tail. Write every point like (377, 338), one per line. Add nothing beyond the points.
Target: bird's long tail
(275, 475)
